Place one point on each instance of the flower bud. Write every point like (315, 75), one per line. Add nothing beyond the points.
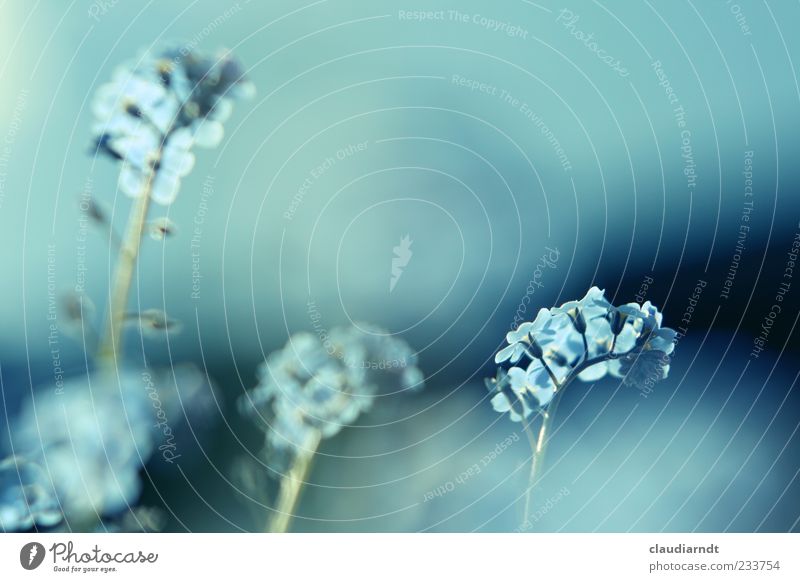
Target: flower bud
(577, 320)
(617, 320)
(534, 347)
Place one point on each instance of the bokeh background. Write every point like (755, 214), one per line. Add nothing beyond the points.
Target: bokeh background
(487, 145)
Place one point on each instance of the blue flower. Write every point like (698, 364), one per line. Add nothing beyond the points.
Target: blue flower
(519, 340)
(90, 440)
(26, 496)
(315, 386)
(586, 340)
(150, 116)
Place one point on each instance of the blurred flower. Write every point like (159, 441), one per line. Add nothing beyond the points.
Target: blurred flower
(26, 496)
(315, 386)
(91, 440)
(152, 113)
(161, 228)
(585, 339)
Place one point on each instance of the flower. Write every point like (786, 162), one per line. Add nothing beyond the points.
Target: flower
(151, 115)
(316, 385)
(521, 339)
(26, 496)
(90, 441)
(585, 339)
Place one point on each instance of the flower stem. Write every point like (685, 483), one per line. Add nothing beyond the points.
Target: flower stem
(539, 447)
(291, 486)
(111, 343)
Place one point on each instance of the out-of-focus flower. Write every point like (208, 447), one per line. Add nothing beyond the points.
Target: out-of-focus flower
(313, 387)
(91, 440)
(161, 228)
(585, 339)
(27, 498)
(153, 112)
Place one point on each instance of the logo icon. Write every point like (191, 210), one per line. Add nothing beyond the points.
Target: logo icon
(402, 255)
(31, 555)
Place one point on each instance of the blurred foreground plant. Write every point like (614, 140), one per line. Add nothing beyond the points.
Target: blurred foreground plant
(77, 447)
(581, 340)
(311, 389)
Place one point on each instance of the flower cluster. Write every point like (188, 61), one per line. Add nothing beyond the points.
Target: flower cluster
(26, 498)
(91, 440)
(313, 387)
(151, 115)
(77, 450)
(587, 340)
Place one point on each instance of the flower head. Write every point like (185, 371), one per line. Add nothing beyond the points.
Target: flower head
(585, 339)
(79, 447)
(26, 496)
(91, 441)
(315, 385)
(151, 114)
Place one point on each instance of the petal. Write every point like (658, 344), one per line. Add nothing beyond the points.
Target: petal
(518, 379)
(505, 354)
(520, 333)
(594, 373)
(222, 110)
(543, 395)
(500, 403)
(208, 133)
(626, 340)
(176, 161)
(165, 188)
(132, 180)
(181, 139)
(663, 340)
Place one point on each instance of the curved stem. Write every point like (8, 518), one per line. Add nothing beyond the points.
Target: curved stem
(291, 486)
(539, 446)
(111, 343)
(532, 443)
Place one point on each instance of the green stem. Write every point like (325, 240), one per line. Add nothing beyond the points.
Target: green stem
(110, 346)
(291, 486)
(539, 444)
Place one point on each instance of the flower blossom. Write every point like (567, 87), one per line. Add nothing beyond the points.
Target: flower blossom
(152, 113)
(315, 386)
(585, 339)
